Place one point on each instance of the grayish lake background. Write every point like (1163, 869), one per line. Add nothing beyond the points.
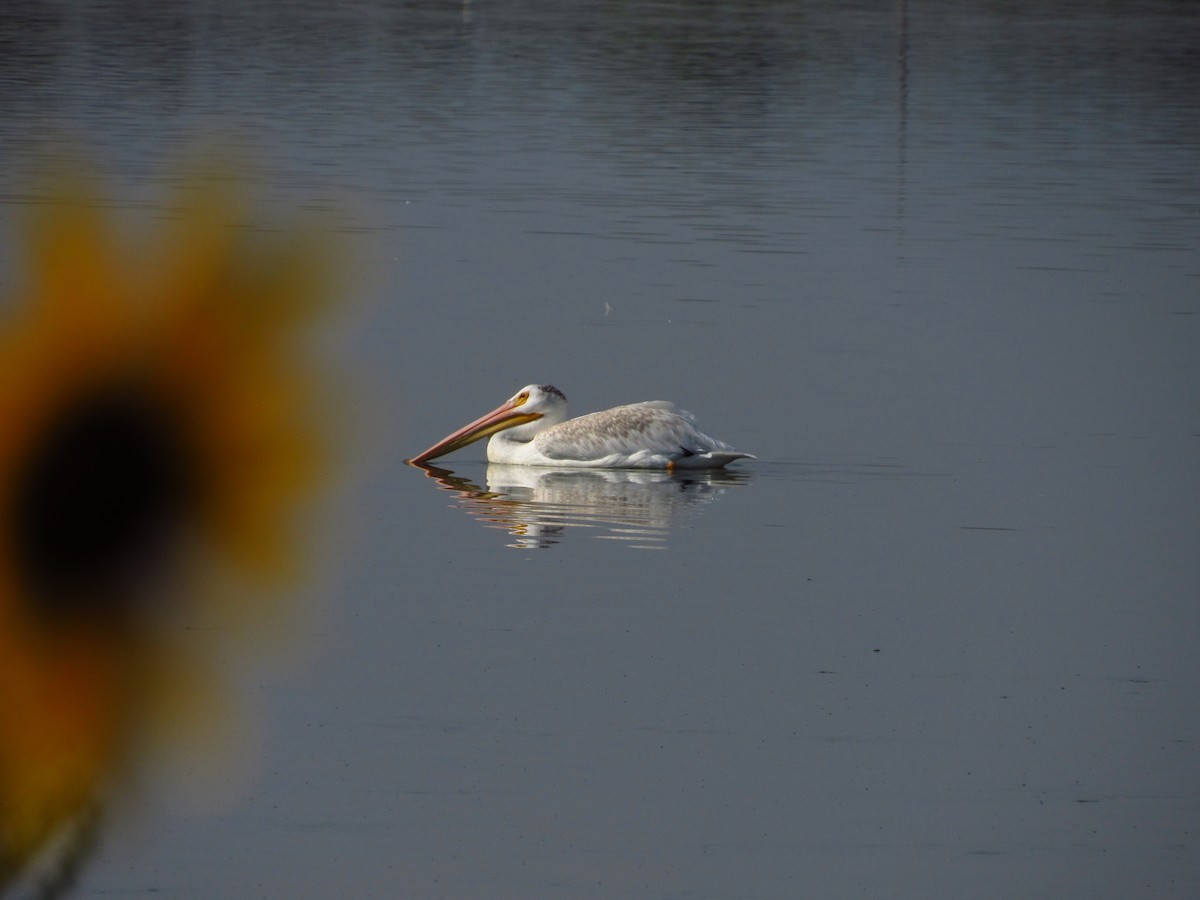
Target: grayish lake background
(937, 265)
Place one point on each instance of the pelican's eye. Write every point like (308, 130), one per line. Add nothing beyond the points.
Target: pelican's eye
(521, 398)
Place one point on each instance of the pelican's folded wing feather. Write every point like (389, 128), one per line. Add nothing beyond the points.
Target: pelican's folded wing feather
(655, 426)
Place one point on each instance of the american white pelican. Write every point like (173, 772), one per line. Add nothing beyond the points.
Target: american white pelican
(529, 430)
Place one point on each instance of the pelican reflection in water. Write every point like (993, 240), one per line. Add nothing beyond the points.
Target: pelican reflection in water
(531, 429)
(540, 505)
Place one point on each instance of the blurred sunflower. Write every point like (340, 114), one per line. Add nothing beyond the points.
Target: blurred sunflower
(156, 439)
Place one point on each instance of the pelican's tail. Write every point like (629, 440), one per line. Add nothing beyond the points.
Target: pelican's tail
(708, 459)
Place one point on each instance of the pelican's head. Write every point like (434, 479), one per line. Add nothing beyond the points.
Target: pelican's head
(528, 411)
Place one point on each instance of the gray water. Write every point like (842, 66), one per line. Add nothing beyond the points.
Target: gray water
(938, 267)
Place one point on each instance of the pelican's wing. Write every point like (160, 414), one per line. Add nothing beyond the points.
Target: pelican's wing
(655, 426)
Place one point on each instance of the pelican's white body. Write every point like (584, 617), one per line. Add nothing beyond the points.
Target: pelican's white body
(650, 435)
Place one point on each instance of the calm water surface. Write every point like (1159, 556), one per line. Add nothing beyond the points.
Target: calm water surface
(937, 268)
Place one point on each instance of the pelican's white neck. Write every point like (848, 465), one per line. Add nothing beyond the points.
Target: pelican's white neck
(523, 434)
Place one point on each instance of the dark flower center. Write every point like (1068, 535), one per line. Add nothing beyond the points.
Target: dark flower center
(100, 501)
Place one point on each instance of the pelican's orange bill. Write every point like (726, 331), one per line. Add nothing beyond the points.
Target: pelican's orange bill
(507, 415)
